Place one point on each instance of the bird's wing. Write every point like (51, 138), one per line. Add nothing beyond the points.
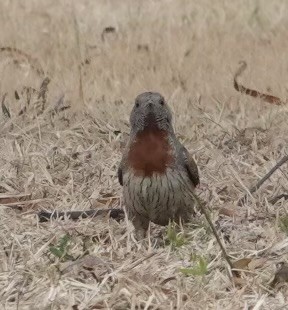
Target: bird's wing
(190, 166)
(123, 164)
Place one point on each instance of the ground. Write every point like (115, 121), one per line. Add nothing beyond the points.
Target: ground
(67, 159)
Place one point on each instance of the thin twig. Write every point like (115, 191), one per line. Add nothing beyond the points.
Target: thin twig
(5, 110)
(276, 198)
(204, 211)
(24, 202)
(260, 182)
(140, 261)
(79, 61)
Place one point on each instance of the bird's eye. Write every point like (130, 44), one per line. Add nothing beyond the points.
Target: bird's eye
(162, 102)
(137, 104)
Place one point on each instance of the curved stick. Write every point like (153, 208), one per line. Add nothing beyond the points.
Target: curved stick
(15, 52)
(252, 92)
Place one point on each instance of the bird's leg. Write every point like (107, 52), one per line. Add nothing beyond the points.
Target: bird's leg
(141, 225)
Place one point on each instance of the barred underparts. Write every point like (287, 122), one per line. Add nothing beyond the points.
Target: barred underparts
(160, 197)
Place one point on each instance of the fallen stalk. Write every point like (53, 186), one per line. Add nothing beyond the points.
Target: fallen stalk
(116, 214)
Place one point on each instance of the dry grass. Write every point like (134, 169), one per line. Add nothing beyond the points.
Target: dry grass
(67, 160)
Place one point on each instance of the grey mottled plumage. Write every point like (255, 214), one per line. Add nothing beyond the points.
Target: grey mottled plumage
(157, 173)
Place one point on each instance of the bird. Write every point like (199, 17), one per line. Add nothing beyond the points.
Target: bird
(157, 173)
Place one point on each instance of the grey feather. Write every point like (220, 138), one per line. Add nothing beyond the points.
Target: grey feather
(190, 166)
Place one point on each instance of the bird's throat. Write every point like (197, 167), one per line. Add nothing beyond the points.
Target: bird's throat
(150, 152)
(150, 123)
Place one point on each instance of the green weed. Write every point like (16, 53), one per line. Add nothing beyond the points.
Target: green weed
(174, 238)
(61, 250)
(199, 267)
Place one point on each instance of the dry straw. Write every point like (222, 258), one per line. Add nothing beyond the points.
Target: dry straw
(60, 155)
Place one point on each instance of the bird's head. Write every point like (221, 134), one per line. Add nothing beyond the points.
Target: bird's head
(151, 111)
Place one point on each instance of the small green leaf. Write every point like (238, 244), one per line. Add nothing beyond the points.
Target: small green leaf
(284, 224)
(202, 265)
(175, 239)
(190, 271)
(199, 269)
(64, 242)
(61, 250)
(56, 252)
